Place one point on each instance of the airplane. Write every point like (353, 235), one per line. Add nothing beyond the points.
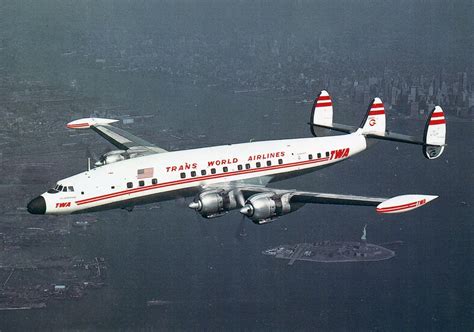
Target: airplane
(235, 176)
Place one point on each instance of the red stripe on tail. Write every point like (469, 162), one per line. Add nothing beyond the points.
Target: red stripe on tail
(376, 105)
(323, 104)
(376, 112)
(437, 122)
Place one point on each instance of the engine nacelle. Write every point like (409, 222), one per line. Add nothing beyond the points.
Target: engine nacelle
(214, 204)
(112, 157)
(266, 207)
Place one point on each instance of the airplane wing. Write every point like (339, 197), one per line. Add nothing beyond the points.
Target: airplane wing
(262, 204)
(397, 204)
(325, 198)
(118, 137)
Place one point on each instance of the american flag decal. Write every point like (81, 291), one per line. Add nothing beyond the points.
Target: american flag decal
(145, 173)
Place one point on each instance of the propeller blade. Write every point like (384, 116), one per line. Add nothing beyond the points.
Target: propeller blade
(241, 233)
(239, 196)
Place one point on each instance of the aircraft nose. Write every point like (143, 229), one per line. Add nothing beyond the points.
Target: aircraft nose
(37, 205)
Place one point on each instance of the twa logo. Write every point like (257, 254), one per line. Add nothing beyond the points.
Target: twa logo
(63, 205)
(338, 154)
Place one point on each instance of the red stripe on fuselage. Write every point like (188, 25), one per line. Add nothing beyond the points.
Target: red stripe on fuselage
(324, 98)
(196, 179)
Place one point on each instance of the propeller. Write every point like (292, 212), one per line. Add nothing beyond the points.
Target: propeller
(241, 232)
(93, 156)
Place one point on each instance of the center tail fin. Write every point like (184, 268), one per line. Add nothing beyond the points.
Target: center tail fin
(374, 121)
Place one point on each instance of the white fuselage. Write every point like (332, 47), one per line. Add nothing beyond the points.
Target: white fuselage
(164, 176)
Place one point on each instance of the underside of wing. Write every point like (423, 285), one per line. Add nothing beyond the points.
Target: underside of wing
(324, 198)
(263, 205)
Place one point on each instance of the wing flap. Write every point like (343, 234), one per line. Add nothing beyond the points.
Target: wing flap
(324, 198)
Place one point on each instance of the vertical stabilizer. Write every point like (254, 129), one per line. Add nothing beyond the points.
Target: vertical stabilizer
(321, 113)
(374, 121)
(435, 134)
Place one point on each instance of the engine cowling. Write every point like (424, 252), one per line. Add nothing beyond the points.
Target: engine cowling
(266, 207)
(214, 204)
(112, 157)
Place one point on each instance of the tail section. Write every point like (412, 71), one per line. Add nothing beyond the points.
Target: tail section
(434, 138)
(435, 134)
(374, 125)
(374, 121)
(321, 116)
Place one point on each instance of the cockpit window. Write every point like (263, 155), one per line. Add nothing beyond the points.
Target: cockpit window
(59, 188)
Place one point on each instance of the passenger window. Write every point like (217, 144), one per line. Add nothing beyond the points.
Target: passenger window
(269, 163)
(112, 187)
(141, 183)
(154, 181)
(82, 193)
(213, 171)
(225, 169)
(239, 167)
(319, 155)
(129, 185)
(70, 188)
(327, 154)
(247, 166)
(203, 172)
(258, 164)
(183, 175)
(310, 156)
(193, 173)
(280, 161)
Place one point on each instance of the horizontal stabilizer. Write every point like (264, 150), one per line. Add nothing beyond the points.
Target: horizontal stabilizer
(336, 127)
(404, 203)
(434, 139)
(88, 122)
